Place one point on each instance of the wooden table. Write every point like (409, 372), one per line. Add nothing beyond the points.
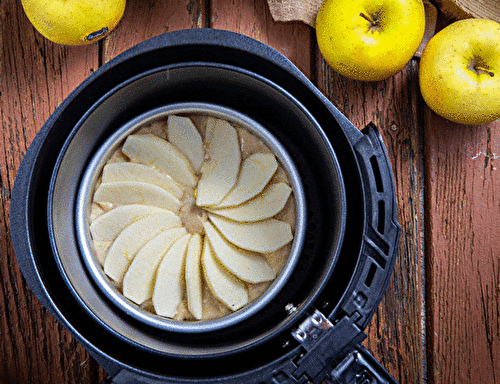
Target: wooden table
(439, 321)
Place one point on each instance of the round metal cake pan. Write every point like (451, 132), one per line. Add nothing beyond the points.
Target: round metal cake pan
(87, 187)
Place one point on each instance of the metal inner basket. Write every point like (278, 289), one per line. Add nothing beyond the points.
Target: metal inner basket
(84, 200)
(249, 100)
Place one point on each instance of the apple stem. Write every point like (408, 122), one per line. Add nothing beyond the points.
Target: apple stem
(374, 21)
(366, 17)
(484, 70)
(477, 65)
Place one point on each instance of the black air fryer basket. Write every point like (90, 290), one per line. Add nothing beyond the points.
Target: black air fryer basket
(311, 328)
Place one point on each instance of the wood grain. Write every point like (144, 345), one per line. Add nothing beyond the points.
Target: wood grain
(253, 18)
(489, 9)
(439, 321)
(395, 334)
(35, 77)
(145, 19)
(463, 186)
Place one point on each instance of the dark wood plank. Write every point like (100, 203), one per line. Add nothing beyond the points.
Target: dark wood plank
(463, 271)
(395, 334)
(463, 200)
(252, 18)
(145, 19)
(36, 75)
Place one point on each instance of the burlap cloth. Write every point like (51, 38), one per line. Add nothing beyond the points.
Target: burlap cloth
(306, 11)
(295, 10)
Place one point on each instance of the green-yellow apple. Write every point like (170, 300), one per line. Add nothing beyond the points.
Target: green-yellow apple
(369, 40)
(74, 22)
(460, 72)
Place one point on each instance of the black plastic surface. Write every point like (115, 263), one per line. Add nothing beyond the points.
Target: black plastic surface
(381, 235)
(369, 245)
(359, 367)
(284, 119)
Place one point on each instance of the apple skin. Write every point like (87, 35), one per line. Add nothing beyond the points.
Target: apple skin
(460, 72)
(74, 22)
(368, 50)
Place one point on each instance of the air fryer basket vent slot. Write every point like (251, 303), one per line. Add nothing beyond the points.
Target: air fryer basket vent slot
(381, 217)
(376, 173)
(370, 275)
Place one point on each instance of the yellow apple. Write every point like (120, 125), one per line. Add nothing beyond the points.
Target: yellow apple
(369, 40)
(460, 72)
(74, 22)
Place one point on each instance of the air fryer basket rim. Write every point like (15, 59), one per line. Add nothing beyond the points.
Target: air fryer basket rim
(81, 288)
(30, 239)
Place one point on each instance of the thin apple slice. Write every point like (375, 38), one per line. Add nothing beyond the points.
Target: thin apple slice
(109, 225)
(256, 171)
(124, 171)
(262, 236)
(224, 286)
(132, 238)
(138, 282)
(169, 285)
(193, 276)
(246, 265)
(155, 152)
(134, 192)
(266, 205)
(182, 133)
(220, 172)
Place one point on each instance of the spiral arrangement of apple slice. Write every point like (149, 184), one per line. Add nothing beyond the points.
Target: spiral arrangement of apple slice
(144, 234)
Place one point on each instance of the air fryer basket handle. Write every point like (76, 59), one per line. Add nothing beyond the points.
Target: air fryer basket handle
(382, 230)
(359, 366)
(377, 257)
